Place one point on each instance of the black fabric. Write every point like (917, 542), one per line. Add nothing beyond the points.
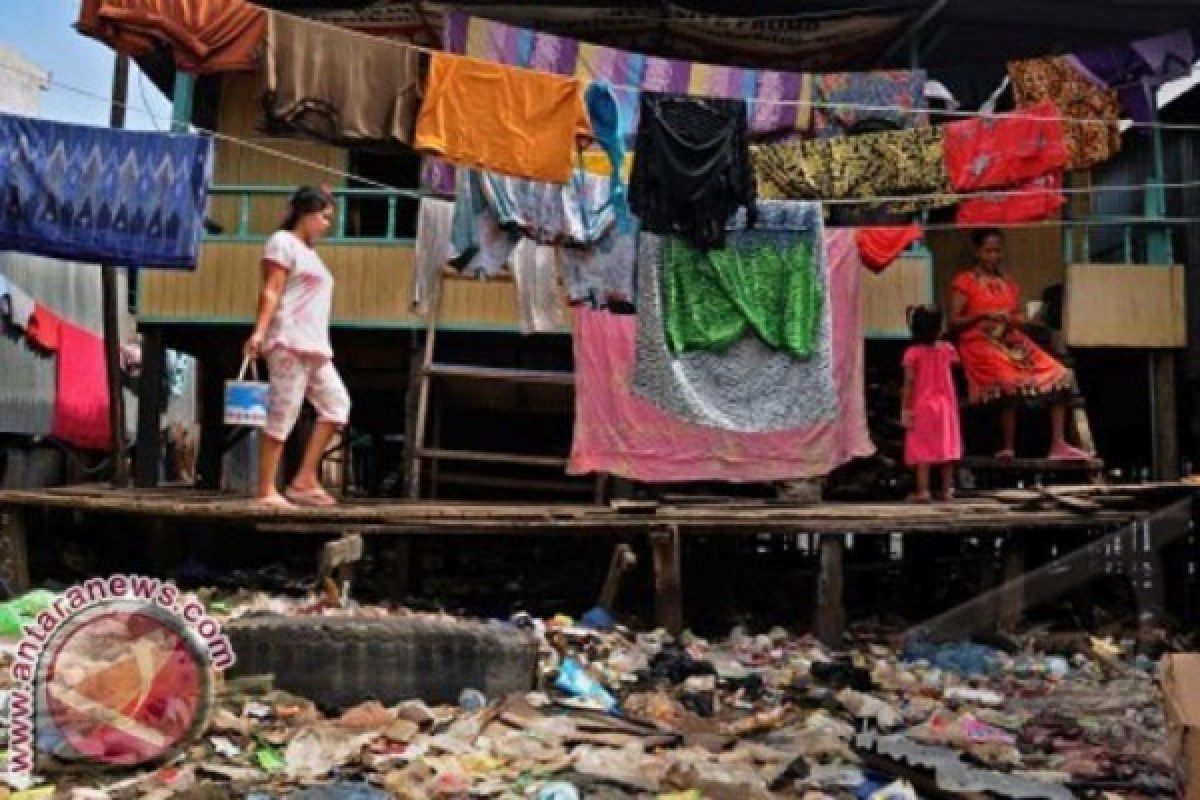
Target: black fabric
(691, 168)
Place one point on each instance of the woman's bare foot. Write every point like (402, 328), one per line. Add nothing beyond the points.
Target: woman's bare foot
(1065, 452)
(313, 496)
(946, 496)
(920, 498)
(1006, 455)
(273, 500)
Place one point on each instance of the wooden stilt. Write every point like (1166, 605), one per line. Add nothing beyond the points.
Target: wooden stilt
(212, 425)
(148, 454)
(14, 550)
(830, 621)
(668, 578)
(1012, 595)
(1166, 417)
(623, 560)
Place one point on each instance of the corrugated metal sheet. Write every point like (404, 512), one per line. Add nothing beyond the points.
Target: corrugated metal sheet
(27, 388)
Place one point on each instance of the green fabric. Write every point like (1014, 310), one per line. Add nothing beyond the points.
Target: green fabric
(711, 299)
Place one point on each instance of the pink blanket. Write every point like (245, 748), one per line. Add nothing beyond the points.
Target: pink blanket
(81, 405)
(619, 433)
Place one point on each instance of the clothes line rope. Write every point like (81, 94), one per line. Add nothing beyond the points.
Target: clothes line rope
(834, 106)
(416, 193)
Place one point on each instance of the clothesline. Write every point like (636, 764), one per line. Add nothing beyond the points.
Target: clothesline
(815, 104)
(417, 193)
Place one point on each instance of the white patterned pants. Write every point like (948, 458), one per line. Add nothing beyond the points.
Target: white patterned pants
(295, 377)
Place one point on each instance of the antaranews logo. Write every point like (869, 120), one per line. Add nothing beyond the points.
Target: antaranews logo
(116, 670)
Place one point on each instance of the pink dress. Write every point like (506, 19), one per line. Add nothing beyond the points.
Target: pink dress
(934, 436)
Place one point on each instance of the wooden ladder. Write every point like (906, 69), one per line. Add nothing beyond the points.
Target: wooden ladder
(419, 451)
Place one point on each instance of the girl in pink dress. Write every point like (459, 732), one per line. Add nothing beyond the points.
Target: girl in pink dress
(930, 404)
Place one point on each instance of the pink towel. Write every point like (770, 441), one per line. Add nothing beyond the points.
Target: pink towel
(81, 406)
(619, 433)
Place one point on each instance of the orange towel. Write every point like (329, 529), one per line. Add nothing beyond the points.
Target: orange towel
(205, 36)
(503, 119)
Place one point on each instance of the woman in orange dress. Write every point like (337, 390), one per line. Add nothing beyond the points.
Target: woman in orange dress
(1003, 365)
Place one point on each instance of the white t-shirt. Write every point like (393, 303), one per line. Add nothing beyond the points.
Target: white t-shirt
(301, 321)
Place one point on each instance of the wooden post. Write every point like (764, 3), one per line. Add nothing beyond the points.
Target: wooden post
(14, 550)
(1012, 597)
(111, 301)
(416, 443)
(668, 578)
(623, 560)
(212, 424)
(148, 454)
(1166, 419)
(830, 620)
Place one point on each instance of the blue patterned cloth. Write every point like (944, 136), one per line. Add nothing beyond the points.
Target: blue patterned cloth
(125, 198)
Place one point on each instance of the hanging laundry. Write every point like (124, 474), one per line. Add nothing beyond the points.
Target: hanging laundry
(888, 163)
(20, 306)
(124, 198)
(605, 117)
(879, 246)
(1038, 199)
(339, 86)
(777, 102)
(749, 386)
(1090, 113)
(691, 168)
(493, 212)
(44, 328)
(755, 284)
(512, 121)
(203, 36)
(846, 100)
(81, 404)
(995, 152)
(520, 47)
(619, 433)
(431, 251)
(1138, 68)
(602, 275)
(540, 305)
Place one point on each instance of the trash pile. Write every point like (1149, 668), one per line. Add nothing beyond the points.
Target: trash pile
(645, 715)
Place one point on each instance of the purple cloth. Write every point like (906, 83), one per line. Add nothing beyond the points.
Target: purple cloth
(1137, 69)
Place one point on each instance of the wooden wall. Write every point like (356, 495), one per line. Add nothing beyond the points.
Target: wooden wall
(1035, 259)
(373, 288)
(237, 164)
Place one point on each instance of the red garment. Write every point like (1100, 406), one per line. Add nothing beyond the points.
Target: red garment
(993, 152)
(44, 327)
(204, 36)
(934, 437)
(81, 405)
(880, 246)
(1000, 361)
(1040, 198)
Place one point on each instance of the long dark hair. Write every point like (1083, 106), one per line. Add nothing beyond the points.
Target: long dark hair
(305, 200)
(925, 323)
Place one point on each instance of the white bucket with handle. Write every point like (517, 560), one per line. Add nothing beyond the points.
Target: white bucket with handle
(246, 400)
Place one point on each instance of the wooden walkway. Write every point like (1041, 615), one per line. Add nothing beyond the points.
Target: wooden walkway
(1010, 514)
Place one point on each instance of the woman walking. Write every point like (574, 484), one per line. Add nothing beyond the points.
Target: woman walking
(292, 333)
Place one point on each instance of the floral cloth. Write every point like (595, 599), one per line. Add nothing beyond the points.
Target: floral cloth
(1090, 112)
(888, 163)
(845, 100)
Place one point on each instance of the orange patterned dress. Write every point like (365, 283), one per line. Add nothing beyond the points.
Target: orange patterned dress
(999, 360)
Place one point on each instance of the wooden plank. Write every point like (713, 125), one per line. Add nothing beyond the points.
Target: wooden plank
(1029, 464)
(14, 548)
(492, 458)
(886, 296)
(830, 616)
(1122, 305)
(667, 547)
(552, 377)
